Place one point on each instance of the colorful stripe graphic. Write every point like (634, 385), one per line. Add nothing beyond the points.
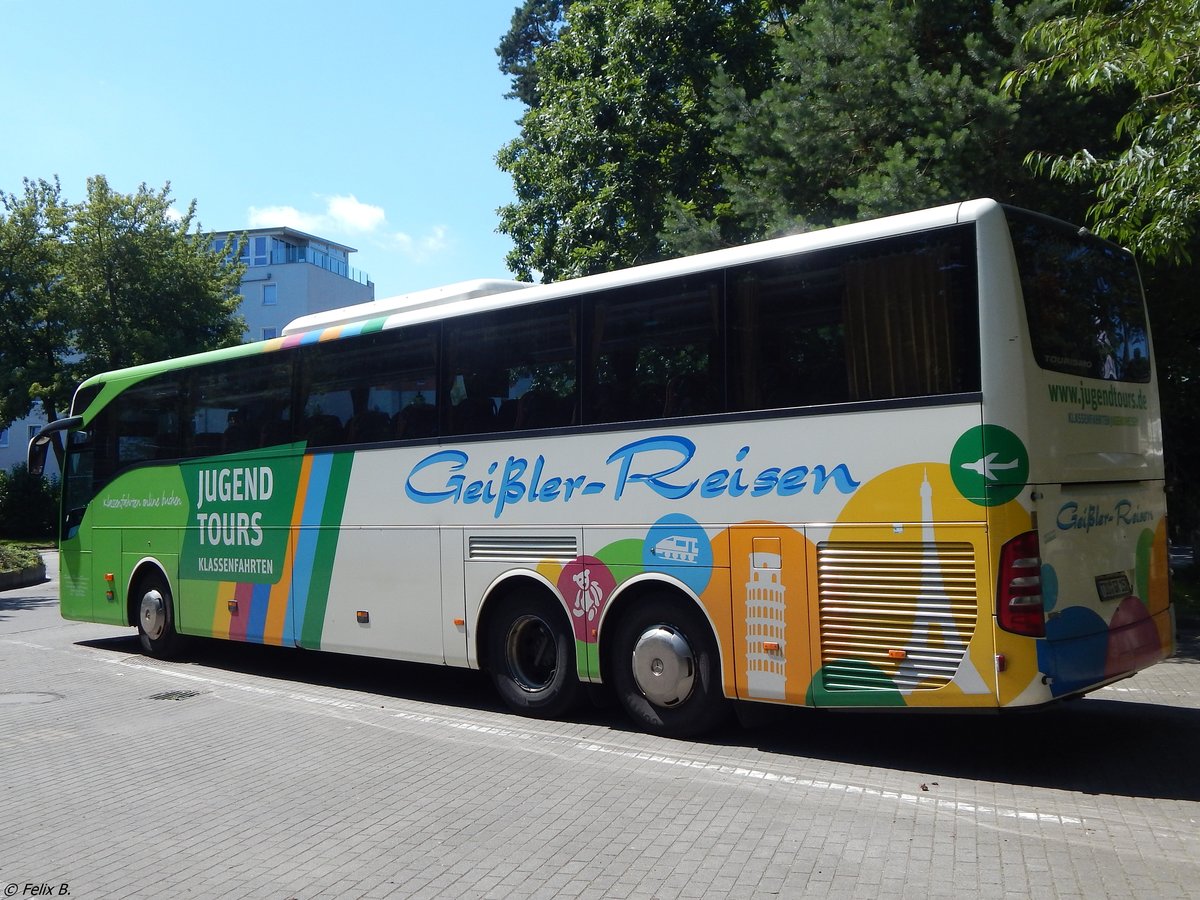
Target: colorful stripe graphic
(292, 611)
(328, 334)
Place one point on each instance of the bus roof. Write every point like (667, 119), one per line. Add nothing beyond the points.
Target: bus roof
(386, 306)
(480, 295)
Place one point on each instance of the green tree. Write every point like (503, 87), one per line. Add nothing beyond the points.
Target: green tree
(116, 280)
(1147, 193)
(621, 122)
(535, 25)
(145, 285)
(28, 504)
(35, 330)
(662, 127)
(878, 108)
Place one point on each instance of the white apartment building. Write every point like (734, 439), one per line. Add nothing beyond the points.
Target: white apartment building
(289, 274)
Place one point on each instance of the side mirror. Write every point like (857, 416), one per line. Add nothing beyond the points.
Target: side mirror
(36, 458)
(39, 444)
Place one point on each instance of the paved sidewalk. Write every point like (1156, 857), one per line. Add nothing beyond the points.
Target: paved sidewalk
(258, 772)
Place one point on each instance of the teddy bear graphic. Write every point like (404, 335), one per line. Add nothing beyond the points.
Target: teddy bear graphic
(589, 595)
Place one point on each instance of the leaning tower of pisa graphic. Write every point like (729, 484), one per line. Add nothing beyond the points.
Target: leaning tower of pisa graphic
(766, 650)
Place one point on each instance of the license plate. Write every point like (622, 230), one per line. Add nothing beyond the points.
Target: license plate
(1114, 586)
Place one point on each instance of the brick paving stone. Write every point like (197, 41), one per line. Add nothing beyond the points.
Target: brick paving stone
(297, 775)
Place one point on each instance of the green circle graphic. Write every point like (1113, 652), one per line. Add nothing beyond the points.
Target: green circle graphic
(989, 465)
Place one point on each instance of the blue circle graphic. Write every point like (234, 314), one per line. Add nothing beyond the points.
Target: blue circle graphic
(677, 545)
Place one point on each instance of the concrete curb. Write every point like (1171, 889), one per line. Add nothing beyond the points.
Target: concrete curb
(23, 577)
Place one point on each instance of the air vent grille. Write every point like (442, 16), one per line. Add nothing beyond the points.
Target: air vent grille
(895, 616)
(522, 548)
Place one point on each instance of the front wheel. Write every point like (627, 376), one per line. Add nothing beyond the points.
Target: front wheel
(666, 668)
(531, 655)
(156, 617)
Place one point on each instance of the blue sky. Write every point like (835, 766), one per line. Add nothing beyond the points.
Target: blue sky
(372, 123)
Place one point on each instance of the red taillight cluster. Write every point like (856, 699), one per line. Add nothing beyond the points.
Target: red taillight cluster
(1019, 606)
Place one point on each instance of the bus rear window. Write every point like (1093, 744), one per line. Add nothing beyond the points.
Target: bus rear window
(1083, 301)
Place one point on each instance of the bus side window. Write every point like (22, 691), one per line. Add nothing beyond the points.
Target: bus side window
(241, 405)
(149, 421)
(370, 388)
(787, 345)
(512, 370)
(654, 351)
(883, 319)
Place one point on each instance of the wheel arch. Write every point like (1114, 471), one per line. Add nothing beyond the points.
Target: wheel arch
(139, 571)
(509, 584)
(640, 588)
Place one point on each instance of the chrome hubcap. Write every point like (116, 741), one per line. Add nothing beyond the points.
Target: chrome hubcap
(664, 666)
(153, 615)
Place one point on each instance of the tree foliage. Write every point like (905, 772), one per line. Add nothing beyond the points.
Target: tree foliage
(665, 127)
(1147, 193)
(116, 280)
(662, 127)
(621, 123)
(535, 25)
(878, 108)
(35, 326)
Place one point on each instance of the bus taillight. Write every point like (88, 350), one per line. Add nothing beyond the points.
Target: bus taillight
(1019, 606)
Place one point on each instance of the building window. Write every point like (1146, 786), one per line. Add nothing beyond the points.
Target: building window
(33, 430)
(260, 251)
(3, 437)
(270, 294)
(270, 332)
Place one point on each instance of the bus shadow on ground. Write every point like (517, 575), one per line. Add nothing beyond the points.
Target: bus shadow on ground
(444, 685)
(1094, 745)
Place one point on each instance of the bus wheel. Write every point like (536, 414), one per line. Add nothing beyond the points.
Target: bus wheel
(531, 655)
(666, 668)
(156, 617)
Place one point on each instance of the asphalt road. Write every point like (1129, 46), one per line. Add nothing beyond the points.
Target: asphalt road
(258, 772)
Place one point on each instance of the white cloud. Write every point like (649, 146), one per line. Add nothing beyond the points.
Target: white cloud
(278, 216)
(347, 216)
(352, 215)
(422, 248)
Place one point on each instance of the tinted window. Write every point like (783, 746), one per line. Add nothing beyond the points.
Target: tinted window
(511, 369)
(879, 320)
(1083, 301)
(145, 423)
(241, 404)
(371, 388)
(654, 350)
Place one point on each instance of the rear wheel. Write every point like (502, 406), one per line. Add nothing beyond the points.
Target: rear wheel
(156, 617)
(531, 655)
(666, 668)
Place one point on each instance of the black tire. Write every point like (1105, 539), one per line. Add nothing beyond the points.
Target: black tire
(667, 638)
(154, 613)
(531, 656)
